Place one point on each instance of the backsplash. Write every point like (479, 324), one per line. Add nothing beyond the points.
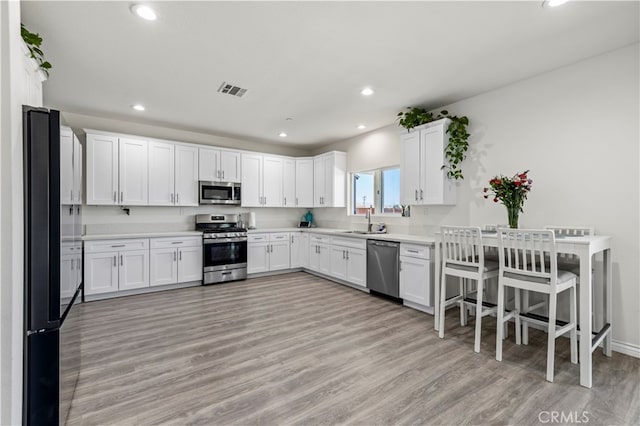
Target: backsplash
(113, 220)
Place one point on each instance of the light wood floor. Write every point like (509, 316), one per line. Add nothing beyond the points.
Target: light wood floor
(297, 349)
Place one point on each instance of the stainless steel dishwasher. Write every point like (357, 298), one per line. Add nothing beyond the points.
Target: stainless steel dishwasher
(382, 267)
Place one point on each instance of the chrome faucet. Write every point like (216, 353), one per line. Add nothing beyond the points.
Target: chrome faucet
(368, 216)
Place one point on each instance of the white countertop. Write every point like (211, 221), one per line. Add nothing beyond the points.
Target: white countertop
(402, 238)
(93, 237)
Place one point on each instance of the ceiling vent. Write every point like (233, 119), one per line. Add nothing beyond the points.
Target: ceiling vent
(232, 90)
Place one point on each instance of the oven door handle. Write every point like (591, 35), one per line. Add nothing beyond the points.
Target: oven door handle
(224, 240)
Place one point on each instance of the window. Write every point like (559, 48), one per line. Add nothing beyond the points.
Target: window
(376, 189)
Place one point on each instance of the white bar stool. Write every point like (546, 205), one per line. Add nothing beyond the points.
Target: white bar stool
(528, 261)
(463, 257)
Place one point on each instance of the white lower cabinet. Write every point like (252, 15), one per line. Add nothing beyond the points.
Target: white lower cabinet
(415, 275)
(176, 260)
(299, 250)
(100, 273)
(320, 253)
(268, 252)
(133, 269)
(349, 260)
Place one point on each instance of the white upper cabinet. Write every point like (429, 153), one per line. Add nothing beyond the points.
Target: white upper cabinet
(77, 171)
(161, 174)
(289, 182)
(251, 180)
(218, 165)
(262, 181)
(102, 169)
(329, 179)
(423, 180)
(304, 182)
(67, 178)
(134, 189)
(186, 175)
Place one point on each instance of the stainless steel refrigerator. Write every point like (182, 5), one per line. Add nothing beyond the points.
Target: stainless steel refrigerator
(52, 271)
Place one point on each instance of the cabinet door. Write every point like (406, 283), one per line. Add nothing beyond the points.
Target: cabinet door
(257, 257)
(304, 182)
(335, 166)
(67, 195)
(68, 275)
(279, 255)
(318, 181)
(325, 258)
(314, 257)
(303, 248)
(272, 182)
(230, 166)
(410, 168)
(186, 175)
(102, 170)
(134, 158)
(161, 174)
(357, 267)
(163, 266)
(289, 182)
(189, 264)
(251, 180)
(209, 164)
(100, 273)
(414, 280)
(433, 159)
(295, 250)
(133, 269)
(339, 262)
(77, 171)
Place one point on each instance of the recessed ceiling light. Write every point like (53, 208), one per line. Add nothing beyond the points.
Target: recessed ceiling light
(282, 135)
(367, 91)
(138, 107)
(553, 3)
(361, 126)
(145, 12)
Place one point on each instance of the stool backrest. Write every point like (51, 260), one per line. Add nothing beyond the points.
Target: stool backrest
(568, 231)
(528, 254)
(462, 246)
(492, 227)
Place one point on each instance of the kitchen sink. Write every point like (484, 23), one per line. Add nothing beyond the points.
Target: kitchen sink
(356, 231)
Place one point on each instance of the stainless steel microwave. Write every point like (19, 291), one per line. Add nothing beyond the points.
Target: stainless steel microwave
(219, 193)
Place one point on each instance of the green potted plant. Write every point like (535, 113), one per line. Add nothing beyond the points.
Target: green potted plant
(456, 149)
(33, 42)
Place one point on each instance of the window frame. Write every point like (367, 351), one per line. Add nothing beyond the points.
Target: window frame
(377, 192)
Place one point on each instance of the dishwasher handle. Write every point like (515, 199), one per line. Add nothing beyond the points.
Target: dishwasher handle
(383, 243)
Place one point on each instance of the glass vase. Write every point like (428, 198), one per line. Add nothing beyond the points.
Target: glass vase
(513, 213)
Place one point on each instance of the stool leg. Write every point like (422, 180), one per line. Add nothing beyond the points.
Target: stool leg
(463, 307)
(574, 331)
(476, 346)
(500, 324)
(525, 325)
(516, 308)
(443, 308)
(551, 335)
(506, 324)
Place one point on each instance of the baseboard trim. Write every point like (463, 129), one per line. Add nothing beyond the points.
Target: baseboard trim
(625, 348)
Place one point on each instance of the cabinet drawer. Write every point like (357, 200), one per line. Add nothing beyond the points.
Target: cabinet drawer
(103, 246)
(175, 242)
(319, 238)
(355, 242)
(279, 236)
(257, 238)
(414, 250)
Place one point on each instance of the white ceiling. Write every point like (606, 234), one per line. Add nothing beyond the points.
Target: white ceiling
(306, 60)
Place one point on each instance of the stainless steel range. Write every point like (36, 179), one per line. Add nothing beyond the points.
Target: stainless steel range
(225, 248)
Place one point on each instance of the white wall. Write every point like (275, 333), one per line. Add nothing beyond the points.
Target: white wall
(577, 129)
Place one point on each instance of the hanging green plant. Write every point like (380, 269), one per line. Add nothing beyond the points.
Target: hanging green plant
(456, 149)
(33, 42)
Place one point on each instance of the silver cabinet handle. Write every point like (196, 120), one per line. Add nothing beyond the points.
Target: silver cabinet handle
(121, 260)
(421, 195)
(296, 201)
(121, 196)
(399, 265)
(285, 201)
(172, 198)
(223, 174)
(118, 245)
(177, 198)
(347, 254)
(266, 249)
(265, 199)
(412, 251)
(180, 256)
(71, 192)
(271, 248)
(292, 239)
(175, 256)
(115, 260)
(344, 256)
(114, 196)
(72, 262)
(177, 242)
(218, 174)
(78, 267)
(416, 195)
